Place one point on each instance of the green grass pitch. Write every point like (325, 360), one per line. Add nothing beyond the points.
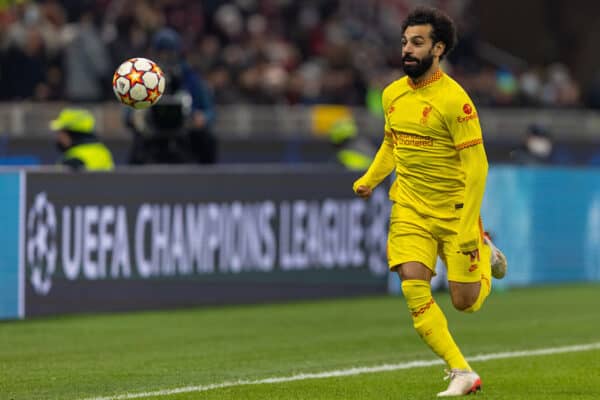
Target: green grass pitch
(107, 356)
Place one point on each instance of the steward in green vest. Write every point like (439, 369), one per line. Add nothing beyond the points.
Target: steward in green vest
(80, 147)
(354, 152)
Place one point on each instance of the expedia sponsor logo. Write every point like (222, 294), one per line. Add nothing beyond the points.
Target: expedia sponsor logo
(462, 119)
(149, 240)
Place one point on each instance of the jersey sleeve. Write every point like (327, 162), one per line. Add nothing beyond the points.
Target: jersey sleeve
(388, 137)
(383, 163)
(463, 121)
(464, 128)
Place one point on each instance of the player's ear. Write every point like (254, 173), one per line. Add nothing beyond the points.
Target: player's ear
(438, 49)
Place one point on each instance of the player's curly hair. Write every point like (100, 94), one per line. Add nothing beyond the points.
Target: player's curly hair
(443, 29)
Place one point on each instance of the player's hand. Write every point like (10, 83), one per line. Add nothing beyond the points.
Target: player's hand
(363, 191)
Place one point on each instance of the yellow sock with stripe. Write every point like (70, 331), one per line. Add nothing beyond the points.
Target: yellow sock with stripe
(431, 324)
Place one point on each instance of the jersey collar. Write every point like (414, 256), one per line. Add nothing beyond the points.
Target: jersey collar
(437, 75)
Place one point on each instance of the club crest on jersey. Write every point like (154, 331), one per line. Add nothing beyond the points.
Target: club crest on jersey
(425, 114)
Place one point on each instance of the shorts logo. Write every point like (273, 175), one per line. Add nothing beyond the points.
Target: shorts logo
(390, 110)
(425, 114)
(467, 108)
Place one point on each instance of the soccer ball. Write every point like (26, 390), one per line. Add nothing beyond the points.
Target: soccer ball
(138, 83)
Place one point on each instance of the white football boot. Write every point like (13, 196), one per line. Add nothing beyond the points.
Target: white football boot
(497, 259)
(462, 382)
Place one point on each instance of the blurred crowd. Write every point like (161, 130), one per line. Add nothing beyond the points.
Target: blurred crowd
(253, 51)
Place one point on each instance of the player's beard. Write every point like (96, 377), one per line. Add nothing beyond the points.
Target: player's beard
(418, 69)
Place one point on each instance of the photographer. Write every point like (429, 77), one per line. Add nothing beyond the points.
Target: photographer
(178, 128)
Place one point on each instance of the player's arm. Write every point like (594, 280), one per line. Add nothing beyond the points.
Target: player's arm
(475, 165)
(383, 164)
(463, 123)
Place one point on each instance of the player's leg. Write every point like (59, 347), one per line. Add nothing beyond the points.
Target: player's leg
(466, 296)
(468, 289)
(469, 275)
(428, 319)
(412, 252)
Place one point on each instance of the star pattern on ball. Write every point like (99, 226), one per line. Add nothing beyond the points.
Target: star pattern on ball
(157, 70)
(126, 99)
(135, 77)
(153, 95)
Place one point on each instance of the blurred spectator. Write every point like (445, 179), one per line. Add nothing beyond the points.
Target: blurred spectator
(538, 148)
(531, 82)
(129, 40)
(87, 61)
(76, 140)
(559, 89)
(178, 129)
(260, 51)
(26, 60)
(353, 151)
(593, 93)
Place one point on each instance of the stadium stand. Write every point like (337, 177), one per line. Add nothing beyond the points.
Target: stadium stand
(260, 57)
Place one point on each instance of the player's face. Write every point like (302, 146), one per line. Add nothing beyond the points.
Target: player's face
(418, 51)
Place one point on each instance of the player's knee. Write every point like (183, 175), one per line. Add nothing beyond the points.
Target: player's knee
(468, 302)
(473, 308)
(464, 302)
(415, 289)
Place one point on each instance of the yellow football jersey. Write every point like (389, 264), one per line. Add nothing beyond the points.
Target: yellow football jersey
(427, 125)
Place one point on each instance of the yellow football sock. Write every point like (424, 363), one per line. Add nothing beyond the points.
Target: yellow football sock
(431, 324)
(486, 279)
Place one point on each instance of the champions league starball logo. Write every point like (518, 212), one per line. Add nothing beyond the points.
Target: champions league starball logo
(41, 244)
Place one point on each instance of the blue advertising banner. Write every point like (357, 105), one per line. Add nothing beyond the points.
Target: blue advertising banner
(547, 222)
(9, 245)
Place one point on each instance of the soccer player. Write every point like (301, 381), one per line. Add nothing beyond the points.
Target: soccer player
(433, 140)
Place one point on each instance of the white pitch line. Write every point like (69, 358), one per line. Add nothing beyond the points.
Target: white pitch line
(351, 371)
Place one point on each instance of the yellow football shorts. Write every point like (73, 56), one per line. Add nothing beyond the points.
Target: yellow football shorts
(413, 237)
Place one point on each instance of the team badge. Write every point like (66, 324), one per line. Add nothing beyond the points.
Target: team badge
(425, 114)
